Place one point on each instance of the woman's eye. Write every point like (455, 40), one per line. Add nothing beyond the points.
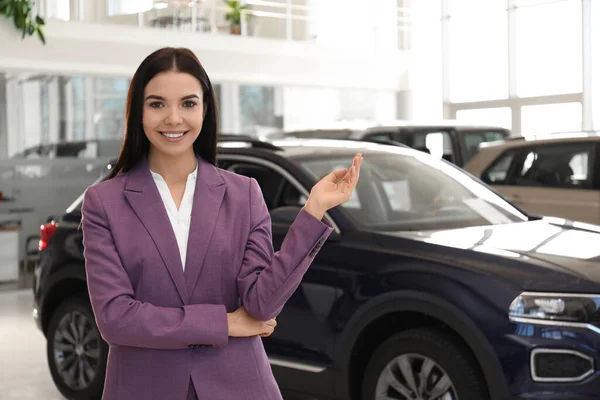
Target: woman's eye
(156, 104)
(189, 104)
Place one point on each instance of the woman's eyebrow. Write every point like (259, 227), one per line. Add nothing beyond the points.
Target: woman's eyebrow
(156, 97)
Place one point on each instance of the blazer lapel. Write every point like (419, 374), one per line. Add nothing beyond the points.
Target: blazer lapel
(143, 195)
(208, 196)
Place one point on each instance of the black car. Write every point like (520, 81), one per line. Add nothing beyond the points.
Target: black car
(451, 140)
(431, 286)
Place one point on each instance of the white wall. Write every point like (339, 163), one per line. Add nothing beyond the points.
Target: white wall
(3, 118)
(424, 100)
(94, 49)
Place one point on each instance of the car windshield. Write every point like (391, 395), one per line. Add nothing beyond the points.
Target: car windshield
(402, 189)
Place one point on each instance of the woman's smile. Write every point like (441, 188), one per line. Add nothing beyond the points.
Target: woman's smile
(173, 136)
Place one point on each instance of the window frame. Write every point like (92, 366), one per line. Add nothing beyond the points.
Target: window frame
(252, 159)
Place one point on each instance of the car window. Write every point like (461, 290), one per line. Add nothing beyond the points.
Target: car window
(415, 192)
(497, 174)
(277, 191)
(557, 166)
(437, 143)
(472, 140)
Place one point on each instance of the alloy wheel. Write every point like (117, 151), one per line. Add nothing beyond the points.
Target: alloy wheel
(76, 350)
(414, 377)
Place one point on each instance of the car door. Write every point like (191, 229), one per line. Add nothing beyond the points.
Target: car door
(301, 348)
(550, 179)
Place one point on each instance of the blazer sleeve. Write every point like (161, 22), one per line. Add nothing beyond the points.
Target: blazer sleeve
(123, 320)
(267, 279)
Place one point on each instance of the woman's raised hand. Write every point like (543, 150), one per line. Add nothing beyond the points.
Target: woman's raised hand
(242, 324)
(334, 189)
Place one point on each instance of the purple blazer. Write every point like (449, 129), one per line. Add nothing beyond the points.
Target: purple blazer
(165, 326)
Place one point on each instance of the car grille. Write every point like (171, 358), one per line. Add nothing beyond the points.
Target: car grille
(558, 365)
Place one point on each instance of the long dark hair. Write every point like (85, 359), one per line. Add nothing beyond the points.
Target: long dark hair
(136, 145)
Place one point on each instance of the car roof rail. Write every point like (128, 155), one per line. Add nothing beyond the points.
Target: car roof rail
(233, 141)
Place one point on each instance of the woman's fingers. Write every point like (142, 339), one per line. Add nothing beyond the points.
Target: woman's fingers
(267, 331)
(271, 322)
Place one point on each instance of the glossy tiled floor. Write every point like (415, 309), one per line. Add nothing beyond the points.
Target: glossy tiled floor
(24, 373)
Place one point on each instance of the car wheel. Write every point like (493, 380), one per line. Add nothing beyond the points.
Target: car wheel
(75, 350)
(423, 364)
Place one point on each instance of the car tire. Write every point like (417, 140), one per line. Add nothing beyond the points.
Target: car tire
(76, 352)
(442, 360)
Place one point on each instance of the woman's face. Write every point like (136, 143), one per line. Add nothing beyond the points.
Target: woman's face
(173, 112)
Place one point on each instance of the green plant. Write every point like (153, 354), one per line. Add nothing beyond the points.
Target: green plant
(21, 13)
(236, 11)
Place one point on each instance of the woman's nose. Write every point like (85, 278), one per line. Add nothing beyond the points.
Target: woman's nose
(174, 117)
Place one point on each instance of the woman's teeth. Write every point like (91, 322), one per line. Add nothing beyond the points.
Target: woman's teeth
(173, 135)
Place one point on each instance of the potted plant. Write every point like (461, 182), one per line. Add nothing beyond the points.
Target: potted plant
(236, 12)
(22, 15)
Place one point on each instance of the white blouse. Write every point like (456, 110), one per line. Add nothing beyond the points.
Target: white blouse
(180, 219)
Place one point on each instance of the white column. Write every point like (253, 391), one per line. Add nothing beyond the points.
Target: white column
(3, 118)
(69, 112)
(30, 113)
(89, 108)
(588, 99)
(428, 87)
(230, 108)
(404, 105)
(512, 67)
(53, 111)
(278, 106)
(13, 122)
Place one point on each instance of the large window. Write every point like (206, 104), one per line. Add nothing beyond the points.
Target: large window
(520, 64)
(549, 118)
(257, 107)
(478, 53)
(549, 48)
(109, 109)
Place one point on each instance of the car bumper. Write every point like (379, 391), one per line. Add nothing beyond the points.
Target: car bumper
(527, 339)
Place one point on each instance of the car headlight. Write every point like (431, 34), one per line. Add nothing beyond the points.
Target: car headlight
(576, 308)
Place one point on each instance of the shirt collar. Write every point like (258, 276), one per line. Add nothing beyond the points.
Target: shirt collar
(192, 176)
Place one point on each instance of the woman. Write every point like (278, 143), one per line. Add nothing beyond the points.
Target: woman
(181, 271)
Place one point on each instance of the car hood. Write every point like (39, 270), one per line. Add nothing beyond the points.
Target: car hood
(554, 248)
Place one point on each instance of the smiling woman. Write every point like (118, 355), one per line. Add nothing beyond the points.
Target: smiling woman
(173, 98)
(181, 272)
(172, 116)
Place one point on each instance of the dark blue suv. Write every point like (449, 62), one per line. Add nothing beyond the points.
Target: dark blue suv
(431, 287)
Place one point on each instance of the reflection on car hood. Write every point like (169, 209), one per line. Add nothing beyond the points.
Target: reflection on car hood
(562, 246)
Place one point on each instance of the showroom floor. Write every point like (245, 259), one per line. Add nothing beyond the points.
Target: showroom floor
(24, 372)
